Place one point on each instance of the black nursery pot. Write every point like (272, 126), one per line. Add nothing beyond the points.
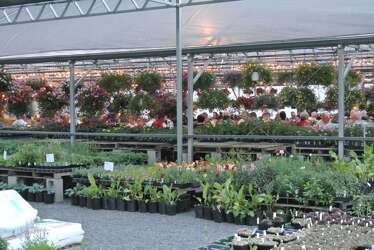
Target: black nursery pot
(120, 204)
(230, 218)
(30, 196)
(162, 208)
(132, 206)
(207, 212)
(143, 206)
(94, 203)
(153, 207)
(236, 247)
(109, 203)
(171, 209)
(217, 215)
(199, 211)
(75, 200)
(239, 220)
(24, 194)
(49, 198)
(39, 196)
(251, 221)
(82, 201)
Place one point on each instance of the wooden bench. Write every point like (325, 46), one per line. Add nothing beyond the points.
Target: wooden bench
(53, 181)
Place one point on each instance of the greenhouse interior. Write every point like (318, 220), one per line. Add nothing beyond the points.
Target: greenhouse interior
(186, 124)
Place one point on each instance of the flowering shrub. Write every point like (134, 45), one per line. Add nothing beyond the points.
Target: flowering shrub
(51, 100)
(149, 81)
(92, 100)
(113, 82)
(20, 97)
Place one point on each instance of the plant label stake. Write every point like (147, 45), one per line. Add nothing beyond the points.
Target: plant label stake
(258, 220)
(5, 155)
(50, 158)
(108, 166)
(274, 215)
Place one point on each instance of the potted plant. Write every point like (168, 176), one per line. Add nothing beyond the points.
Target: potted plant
(153, 197)
(110, 195)
(207, 201)
(35, 193)
(135, 194)
(74, 194)
(170, 198)
(49, 196)
(93, 194)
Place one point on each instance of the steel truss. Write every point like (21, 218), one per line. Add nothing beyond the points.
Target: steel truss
(65, 9)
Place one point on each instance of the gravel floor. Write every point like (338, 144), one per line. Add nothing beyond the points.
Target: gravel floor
(116, 230)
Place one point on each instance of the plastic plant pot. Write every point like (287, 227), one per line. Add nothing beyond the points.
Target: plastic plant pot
(230, 218)
(207, 212)
(143, 206)
(39, 196)
(75, 200)
(217, 215)
(171, 209)
(199, 211)
(82, 201)
(132, 206)
(120, 204)
(49, 198)
(30, 197)
(162, 208)
(153, 207)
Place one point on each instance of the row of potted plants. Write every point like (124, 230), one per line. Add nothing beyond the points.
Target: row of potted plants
(34, 193)
(132, 197)
(229, 203)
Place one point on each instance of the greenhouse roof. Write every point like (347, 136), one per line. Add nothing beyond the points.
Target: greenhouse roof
(213, 28)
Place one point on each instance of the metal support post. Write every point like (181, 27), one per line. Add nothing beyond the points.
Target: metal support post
(190, 108)
(72, 103)
(179, 82)
(341, 100)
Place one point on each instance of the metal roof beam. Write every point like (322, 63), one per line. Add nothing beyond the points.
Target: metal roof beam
(36, 11)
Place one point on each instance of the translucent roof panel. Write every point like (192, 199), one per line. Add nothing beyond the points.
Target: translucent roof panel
(213, 24)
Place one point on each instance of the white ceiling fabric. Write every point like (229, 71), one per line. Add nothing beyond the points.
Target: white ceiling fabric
(213, 24)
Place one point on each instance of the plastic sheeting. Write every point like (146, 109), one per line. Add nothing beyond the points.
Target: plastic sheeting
(58, 233)
(213, 24)
(16, 214)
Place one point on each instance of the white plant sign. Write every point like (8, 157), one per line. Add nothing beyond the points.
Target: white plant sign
(108, 166)
(50, 157)
(5, 155)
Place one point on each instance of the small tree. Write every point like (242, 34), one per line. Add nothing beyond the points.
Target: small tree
(92, 100)
(20, 98)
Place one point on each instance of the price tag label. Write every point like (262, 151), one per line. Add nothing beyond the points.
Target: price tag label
(108, 166)
(50, 157)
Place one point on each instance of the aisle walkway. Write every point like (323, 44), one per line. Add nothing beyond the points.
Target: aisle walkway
(115, 230)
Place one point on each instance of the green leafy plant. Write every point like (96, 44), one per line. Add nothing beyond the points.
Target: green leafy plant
(362, 206)
(114, 190)
(74, 191)
(152, 193)
(36, 188)
(214, 99)
(301, 98)
(205, 81)
(3, 244)
(135, 191)
(92, 191)
(248, 69)
(169, 195)
(149, 81)
(5, 81)
(315, 74)
(140, 102)
(113, 82)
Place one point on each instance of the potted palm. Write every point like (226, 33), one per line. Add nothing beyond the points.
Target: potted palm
(170, 198)
(206, 201)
